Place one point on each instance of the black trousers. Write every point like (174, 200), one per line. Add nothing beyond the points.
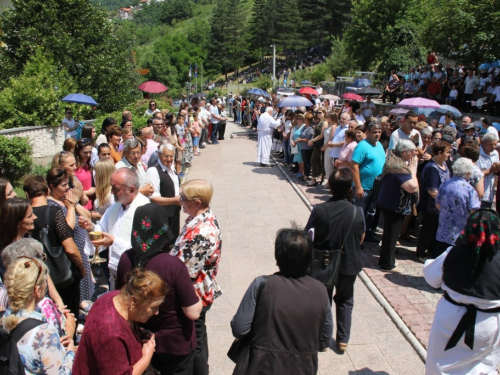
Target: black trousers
(222, 130)
(427, 236)
(344, 303)
(306, 156)
(317, 162)
(201, 351)
(393, 222)
(174, 222)
(70, 295)
(169, 364)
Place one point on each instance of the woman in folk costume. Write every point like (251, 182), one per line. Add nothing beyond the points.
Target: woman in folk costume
(464, 337)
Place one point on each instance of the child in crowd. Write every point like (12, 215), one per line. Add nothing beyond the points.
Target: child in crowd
(181, 141)
(453, 95)
(195, 132)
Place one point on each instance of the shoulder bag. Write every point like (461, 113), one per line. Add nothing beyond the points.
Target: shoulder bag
(325, 265)
(60, 266)
(239, 345)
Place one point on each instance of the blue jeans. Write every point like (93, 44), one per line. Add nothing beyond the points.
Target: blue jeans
(369, 205)
(287, 151)
(238, 116)
(215, 130)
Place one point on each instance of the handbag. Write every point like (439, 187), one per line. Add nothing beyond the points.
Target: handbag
(239, 345)
(294, 149)
(325, 265)
(60, 266)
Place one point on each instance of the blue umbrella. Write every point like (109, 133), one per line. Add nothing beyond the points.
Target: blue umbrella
(305, 82)
(79, 99)
(496, 64)
(295, 101)
(445, 108)
(258, 92)
(362, 82)
(485, 66)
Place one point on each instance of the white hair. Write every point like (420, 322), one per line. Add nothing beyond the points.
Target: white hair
(462, 167)
(166, 146)
(269, 109)
(404, 145)
(490, 137)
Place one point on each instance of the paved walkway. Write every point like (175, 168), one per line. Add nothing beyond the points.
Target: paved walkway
(251, 204)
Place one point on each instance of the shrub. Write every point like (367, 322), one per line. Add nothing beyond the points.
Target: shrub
(15, 157)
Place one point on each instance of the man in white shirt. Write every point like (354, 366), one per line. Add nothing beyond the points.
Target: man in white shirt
(152, 146)
(166, 186)
(470, 84)
(338, 138)
(406, 131)
(215, 119)
(132, 159)
(265, 126)
(116, 223)
(489, 164)
(368, 107)
(203, 117)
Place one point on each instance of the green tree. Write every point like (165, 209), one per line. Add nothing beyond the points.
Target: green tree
(164, 12)
(316, 18)
(77, 35)
(372, 33)
(464, 30)
(405, 50)
(227, 45)
(340, 62)
(32, 98)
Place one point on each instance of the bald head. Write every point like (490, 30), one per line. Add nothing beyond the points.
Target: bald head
(147, 132)
(127, 116)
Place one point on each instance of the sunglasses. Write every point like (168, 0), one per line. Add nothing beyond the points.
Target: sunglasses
(84, 141)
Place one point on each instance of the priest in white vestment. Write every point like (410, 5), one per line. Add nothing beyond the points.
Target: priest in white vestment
(265, 127)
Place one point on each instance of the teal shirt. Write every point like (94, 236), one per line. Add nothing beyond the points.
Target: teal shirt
(371, 160)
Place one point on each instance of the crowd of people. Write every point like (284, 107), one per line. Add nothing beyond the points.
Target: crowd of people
(461, 87)
(119, 195)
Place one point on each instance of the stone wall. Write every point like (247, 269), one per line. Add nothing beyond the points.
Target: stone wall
(46, 140)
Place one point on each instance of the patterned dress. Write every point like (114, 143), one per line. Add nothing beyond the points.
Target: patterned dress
(199, 248)
(87, 287)
(40, 349)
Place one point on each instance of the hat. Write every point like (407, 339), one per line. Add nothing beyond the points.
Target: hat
(261, 99)
(447, 138)
(469, 126)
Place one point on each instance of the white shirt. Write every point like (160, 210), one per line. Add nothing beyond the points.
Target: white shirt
(154, 179)
(338, 136)
(399, 134)
(367, 108)
(496, 93)
(152, 147)
(120, 243)
(214, 111)
(492, 129)
(470, 84)
(360, 119)
(143, 178)
(72, 127)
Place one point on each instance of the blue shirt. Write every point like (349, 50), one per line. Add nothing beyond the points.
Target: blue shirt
(456, 199)
(371, 160)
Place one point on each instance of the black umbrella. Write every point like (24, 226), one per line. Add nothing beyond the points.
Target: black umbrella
(198, 95)
(368, 91)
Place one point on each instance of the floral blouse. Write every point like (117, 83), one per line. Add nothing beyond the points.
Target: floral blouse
(199, 247)
(40, 348)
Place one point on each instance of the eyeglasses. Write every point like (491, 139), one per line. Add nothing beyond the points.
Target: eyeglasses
(27, 264)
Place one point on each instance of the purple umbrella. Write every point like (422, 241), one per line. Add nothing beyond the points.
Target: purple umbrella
(419, 103)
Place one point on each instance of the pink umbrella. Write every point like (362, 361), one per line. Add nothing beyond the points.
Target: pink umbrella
(419, 103)
(352, 96)
(153, 87)
(308, 90)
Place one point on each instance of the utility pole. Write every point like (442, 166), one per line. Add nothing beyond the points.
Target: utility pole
(274, 64)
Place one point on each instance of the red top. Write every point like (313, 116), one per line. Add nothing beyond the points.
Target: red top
(108, 344)
(85, 177)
